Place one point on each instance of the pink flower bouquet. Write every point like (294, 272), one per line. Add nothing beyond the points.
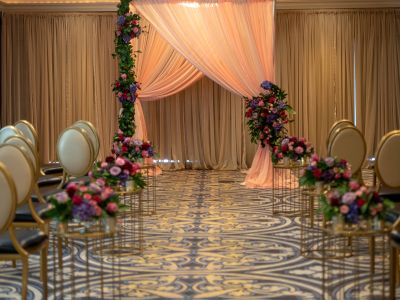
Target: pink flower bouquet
(293, 148)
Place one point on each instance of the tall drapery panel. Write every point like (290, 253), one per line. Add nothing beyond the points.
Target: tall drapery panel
(203, 125)
(314, 64)
(57, 69)
(377, 52)
(231, 42)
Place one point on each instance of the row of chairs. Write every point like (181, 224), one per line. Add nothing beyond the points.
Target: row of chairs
(23, 230)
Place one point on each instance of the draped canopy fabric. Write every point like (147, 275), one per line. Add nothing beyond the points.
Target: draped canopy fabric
(231, 42)
(160, 69)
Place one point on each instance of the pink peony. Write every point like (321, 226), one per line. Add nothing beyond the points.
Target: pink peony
(127, 140)
(120, 161)
(115, 171)
(112, 207)
(98, 210)
(123, 76)
(104, 164)
(344, 209)
(354, 185)
(299, 150)
(261, 103)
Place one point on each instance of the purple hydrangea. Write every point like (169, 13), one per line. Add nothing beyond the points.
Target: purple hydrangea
(266, 85)
(83, 212)
(121, 20)
(126, 38)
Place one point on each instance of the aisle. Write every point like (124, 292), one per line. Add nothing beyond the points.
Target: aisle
(211, 238)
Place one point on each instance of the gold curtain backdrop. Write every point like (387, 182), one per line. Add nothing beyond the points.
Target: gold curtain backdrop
(57, 68)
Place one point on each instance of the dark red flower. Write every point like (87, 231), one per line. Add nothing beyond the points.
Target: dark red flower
(71, 190)
(334, 201)
(360, 202)
(76, 200)
(96, 198)
(272, 100)
(317, 173)
(110, 159)
(124, 149)
(285, 148)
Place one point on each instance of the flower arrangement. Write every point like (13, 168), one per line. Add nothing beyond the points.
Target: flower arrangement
(293, 148)
(353, 202)
(268, 114)
(84, 202)
(125, 87)
(117, 172)
(133, 149)
(331, 171)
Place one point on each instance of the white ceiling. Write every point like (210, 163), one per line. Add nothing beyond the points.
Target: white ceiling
(110, 5)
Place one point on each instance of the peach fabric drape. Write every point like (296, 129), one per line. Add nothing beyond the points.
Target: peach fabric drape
(231, 42)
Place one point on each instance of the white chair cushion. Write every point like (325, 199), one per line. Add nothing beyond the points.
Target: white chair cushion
(28, 148)
(20, 167)
(8, 131)
(75, 152)
(28, 131)
(92, 133)
(7, 198)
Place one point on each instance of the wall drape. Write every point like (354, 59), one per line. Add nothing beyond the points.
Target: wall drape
(314, 64)
(236, 50)
(377, 52)
(201, 126)
(57, 69)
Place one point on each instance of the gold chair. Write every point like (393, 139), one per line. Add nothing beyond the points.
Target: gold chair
(92, 133)
(15, 243)
(337, 125)
(348, 143)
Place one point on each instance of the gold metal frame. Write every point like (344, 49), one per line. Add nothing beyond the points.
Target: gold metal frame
(66, 172)
(33, 131)
(335, 126)
(382, 143)
(95, 134)
(336, 134)
(22, 254)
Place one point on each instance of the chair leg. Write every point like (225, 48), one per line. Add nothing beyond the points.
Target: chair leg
(14, 263)
(43, 271)
(393, 272)
(25, 271)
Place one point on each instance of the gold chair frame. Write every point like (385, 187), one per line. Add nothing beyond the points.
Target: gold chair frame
(335, 126)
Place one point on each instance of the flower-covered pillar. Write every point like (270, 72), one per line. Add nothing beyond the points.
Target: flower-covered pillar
(125, 87)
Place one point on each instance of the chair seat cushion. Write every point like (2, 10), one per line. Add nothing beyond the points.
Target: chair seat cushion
(23, 213)
(52, 169)
(27, 239)
(48, 180)
(390, 194)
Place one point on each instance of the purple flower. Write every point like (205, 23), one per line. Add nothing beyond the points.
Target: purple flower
(121, 20)
(83, 212)
(133, 88)
(349, 198)
(329, 161)
(266, 85)
(126, 38)
(115, 171)
(62, 197)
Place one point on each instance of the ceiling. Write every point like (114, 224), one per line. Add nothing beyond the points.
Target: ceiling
(110, 5)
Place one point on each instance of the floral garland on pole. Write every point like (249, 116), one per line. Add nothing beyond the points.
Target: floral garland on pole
(125, 87)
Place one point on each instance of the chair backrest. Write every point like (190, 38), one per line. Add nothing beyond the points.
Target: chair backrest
(20, 166)
(75, 151)
(93, 134)
(337, 125)
(348, 143)
(8, 131)
(24, 144)
(387, 160)
(28, 131)
(8, 198)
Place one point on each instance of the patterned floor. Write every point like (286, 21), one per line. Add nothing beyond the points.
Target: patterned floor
(210, 239)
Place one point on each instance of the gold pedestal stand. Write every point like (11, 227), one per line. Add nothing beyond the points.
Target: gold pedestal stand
(150, 193)
(285, 189)
(78, 272)
(365, 273)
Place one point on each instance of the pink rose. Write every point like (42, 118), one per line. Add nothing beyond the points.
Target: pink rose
(299, 150)
(120, 161)
(280, 155)
(104, 164)
(123, 76)
(347, 174)
(261, 103)
(344, 209)
(354, 185)
(83, 189)
(112, 207)
(314, 157)
(145, 154)
(119, 94)
(100, 182)
(115, 171)
(87, 196)
(98, 211)
(135, 29)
